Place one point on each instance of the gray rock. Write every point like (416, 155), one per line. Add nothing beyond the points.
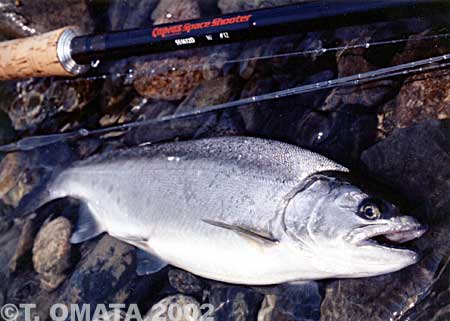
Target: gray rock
(235, 303)
(231, 6)
(40, 100)
(8, 242)
(185, 282)
(130, 14)
(52, 252)
(224, 89)
(414, 161)
(107, 273)
(176, 307)
(25, 18)
(7, 133)
(24, 244)
(292, 303)
(171, 11)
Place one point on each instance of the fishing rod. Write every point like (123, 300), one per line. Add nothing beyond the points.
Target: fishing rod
(424, 65)
(65, 52)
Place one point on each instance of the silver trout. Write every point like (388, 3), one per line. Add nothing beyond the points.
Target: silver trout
(236, 209)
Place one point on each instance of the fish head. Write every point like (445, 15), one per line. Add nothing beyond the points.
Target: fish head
(349, 232)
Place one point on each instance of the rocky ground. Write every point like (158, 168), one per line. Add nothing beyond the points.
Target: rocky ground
(396, 131)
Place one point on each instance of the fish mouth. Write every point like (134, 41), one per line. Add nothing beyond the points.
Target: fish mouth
(390, 233)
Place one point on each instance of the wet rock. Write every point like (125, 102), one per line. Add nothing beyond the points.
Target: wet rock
(8, 242)
(224, 89)
(21, 172)
(24, 288)
(436, 305)
(293, 303)
(51, 253)
(40, 100)
(15, 178)
(130, 14)
(386, 120)
(7, 133)
(424, 96)
(418, 47)
(178, 307)
(235, 303)
(419, 154)
(184, 282)
(108, 262)
(172, 11)
(215, 62)
(415, 161)
(25, 243)
(169, 79)
(370, 95)
(231, 6)
(248, 66)
(27, 19)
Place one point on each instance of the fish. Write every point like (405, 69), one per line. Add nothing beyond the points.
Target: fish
(240, 210)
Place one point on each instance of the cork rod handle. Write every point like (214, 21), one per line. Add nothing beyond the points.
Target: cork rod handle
(43, 55)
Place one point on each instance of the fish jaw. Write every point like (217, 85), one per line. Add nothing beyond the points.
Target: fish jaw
(379, 243)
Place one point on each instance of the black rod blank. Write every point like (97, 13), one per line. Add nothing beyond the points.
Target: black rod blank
(243, 26)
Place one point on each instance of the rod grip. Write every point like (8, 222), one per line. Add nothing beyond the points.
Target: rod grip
(43, 55)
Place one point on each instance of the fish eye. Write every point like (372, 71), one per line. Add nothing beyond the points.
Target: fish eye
(371, 209)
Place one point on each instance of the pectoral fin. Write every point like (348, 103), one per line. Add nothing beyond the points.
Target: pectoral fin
(87, 226)
(260, 237)
(148, 263)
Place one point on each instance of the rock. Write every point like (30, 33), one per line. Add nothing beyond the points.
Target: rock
(7, 133)
(27, 19)
(436, 305)
(423, 96)
(370, 95)
(248, 66)
(169, 11)
(224, 89)
(417, 48)
(184, 282)
(21, 172)
(40, 100)
(25, 243)
(8, 242)
(169, 79)
(294, 303)
(414, 161)
(107, 262)
(421, 155)
(51, 252)
(215, 63)
(231, 6)
(386, 120)
(235, 303)
(15, 178)
(130, 14)
(176, 307)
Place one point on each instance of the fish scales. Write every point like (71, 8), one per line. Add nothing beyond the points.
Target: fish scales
(234, 209)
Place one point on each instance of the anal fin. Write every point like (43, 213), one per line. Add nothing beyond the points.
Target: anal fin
(87, 226)
(148, 263)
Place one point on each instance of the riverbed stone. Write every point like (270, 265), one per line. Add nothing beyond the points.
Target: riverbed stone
(52, 251)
